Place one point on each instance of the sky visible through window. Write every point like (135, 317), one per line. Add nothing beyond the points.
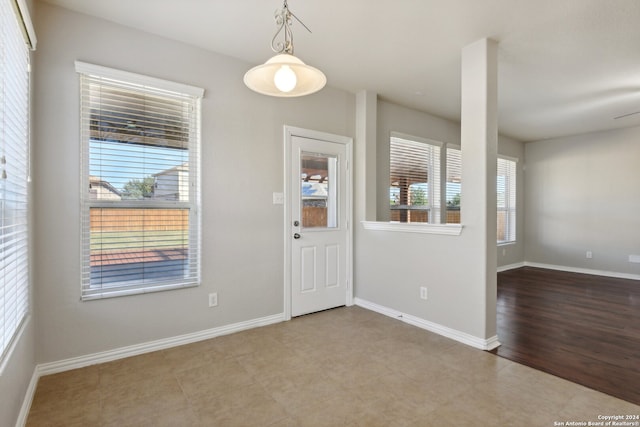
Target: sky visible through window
(119, 163)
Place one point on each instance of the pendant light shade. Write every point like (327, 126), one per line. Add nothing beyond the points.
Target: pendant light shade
(284, 75)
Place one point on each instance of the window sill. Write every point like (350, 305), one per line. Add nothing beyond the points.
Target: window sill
(446, 229)
(123, 292)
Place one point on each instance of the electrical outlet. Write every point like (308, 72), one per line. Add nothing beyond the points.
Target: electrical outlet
(423, 292)
(634, 258)
(589, 254)
(213, 299)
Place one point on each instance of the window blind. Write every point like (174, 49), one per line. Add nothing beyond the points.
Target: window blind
(14, 169)
(140, 183)
(414, 170)
(453, 184)
(506, 199)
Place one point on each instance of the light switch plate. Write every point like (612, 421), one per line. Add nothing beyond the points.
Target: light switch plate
(278, 199)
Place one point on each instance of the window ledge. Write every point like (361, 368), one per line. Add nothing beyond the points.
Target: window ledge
(446, 229)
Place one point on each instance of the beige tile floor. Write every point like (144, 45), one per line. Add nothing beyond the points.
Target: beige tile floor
(343, 367)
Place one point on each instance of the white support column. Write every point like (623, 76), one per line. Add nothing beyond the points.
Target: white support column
(479, 137)
(365, 155)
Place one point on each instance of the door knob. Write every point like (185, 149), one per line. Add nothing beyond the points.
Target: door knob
(296, 236)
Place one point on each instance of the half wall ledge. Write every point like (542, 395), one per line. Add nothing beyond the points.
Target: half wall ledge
(446, 229)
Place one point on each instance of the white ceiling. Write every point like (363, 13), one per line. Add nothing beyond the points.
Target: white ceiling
(565, 66)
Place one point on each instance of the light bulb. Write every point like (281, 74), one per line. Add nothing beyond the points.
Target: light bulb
(285, 79)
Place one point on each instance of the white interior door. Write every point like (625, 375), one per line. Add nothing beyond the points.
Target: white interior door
(318, 234)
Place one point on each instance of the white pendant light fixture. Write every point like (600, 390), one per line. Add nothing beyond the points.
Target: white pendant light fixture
(284, 75)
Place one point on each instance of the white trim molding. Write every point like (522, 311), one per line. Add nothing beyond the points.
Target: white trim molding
(27, 24)
(510, 266)
(462, 337)
(583, 270)
(135, 78)
(406, 136)
(28, 399)
(422, 228)
(569, 269)
(17, 337)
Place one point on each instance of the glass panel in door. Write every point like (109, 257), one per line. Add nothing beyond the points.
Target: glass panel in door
(319, 201)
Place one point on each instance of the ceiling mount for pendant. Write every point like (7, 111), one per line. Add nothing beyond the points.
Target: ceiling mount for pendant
(284, 75)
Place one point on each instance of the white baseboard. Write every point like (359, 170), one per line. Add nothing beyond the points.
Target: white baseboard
(28, 399)
(511, 266)
(583, 270)
(473, 341)
(570, 270)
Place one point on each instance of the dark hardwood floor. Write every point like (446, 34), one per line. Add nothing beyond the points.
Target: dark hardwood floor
(579, 327)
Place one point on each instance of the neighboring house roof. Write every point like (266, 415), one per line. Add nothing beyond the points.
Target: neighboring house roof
(97, 181)
(180, 168)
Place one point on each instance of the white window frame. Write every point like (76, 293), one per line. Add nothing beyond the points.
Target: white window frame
(510, 197)
(89, 291)
(18, 37)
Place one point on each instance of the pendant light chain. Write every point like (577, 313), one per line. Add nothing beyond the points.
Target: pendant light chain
(283, 22)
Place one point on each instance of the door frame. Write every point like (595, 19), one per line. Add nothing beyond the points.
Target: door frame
(289, 133)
